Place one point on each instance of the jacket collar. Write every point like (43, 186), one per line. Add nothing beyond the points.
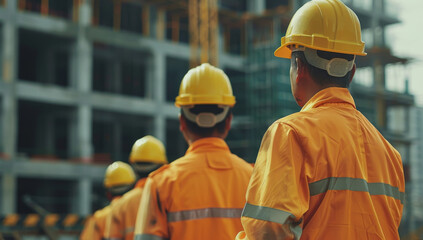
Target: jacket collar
(207, 144)
(329, 95)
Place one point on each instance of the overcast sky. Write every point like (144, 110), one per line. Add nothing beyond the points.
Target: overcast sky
(406, 39)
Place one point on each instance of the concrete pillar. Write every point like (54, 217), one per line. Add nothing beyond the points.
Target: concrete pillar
(81, 68)
(84, 196)
(256, 6)
(8, 188)
(84, 119)
(159, 94)
(81, 76)
(9, 61)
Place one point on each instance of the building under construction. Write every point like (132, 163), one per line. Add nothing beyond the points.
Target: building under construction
(81, 80)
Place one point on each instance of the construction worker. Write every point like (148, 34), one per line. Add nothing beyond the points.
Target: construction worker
(119, 178)
(147, 155)
(200, 195)
(324, 172)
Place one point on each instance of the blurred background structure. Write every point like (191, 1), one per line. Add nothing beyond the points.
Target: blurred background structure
(81, 80)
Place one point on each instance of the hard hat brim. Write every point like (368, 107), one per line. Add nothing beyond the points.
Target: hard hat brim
(205, 99)
(283, 52)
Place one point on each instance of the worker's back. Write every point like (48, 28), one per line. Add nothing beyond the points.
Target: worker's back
(354, 175)
(202, 193)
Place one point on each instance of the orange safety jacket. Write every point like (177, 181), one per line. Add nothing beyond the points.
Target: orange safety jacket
(96, 226)
(325, 173)
(89, 228)
(124, 214)
(198, 196)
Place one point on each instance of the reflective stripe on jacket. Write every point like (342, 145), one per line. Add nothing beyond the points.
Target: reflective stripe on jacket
(325, 173)
(199, 196)
(124, 215)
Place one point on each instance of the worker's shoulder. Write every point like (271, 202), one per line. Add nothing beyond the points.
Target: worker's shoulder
(293, 120)
(240, 163)
(127, 201)
(162, 170)
(300, 119)
(102, 212)
(133, 193)
(170, 169)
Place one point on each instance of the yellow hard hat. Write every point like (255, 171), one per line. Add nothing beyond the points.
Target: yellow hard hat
(326, 25)
(205, 84)
(118, 174)
(148, 149)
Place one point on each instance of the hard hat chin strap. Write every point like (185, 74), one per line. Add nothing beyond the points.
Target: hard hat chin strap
(205, 119)
(336, 67)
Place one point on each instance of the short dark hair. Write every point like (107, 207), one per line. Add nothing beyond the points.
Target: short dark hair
(321, 76)
(120, 190)
(144, 174)
(202, 131)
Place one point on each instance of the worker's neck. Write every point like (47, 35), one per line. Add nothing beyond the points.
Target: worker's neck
(192, 137)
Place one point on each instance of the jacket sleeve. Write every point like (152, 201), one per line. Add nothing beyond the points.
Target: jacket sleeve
(151, 218)
(278, 193)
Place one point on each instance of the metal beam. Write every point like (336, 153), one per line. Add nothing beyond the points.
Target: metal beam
(159, 86)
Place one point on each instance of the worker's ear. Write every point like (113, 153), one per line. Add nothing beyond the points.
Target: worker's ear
(302, 70)
(228, 122)
(352, 74)
(109, 195)
(182, 123)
